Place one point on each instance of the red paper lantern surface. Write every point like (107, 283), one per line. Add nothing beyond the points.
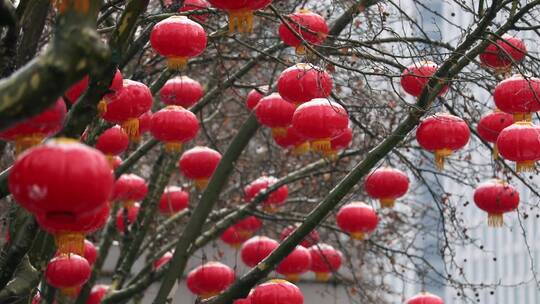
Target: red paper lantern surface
(232, 237)
(181, 91)
(195, 5)
(34, 130)
(340, 142)
(173, 200)
(210, 279)
(97, 293)
(164, 259)
(387, 185)
(416, 76)
(277, 292)
(125, 106)
(67, 272)
(311, 239)
(257, 249)
(274, 200)
(126, 216)
(90, 252)
(249, 225)
(240, 12)
(304, 82)
(490, 125)
(145, 121)
(502, 54)
(442, 134)
(357, 219)
(178, 38)
(75, 91)
(295, 264)
(276, 113)
(311, 27)
(325, 259)
(255, 95)
(425, 298)
(496, 198)
(293, 140)
(320, 120)
(113, 141)
(174, 126)
(518, 96)
(198, 164)
(129, 188)
(520, 143)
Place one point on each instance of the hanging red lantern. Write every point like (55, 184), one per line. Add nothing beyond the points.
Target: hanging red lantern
(425, 298)
(442, 134)
(34, 130)
(257, 249)
(240, 12)
(311, 27)
(320, 120)
(255, 95)
(518, 96)
(210, 279)
(76, 90)
(520, 143)
(112, 142)
(324, 261)
(174, 126)
(496, 198)
(196, 5)
(276, 292)
(295, 264)
(126, 216)
(232, 237)
(164, 259)
(274, 200)
(198, 164)
(311, 239)
(90, 252)
(387, 185)
(357, 219)
(173, 200)
(128, 189)
(340, 142)
(124, 106)
(188, 36)
(416, 76)
(97, 293)
(293, 140)
(181, 91)
(67, 272)
(248, 226)
(304, 82)
(276, 113)
(491, 125)
(502, 54)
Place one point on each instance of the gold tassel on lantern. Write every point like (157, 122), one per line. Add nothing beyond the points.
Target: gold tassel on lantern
(293, 278)
(201, 183)
(22, 143)
(279, 132)
(301, 50)
(102, 107)
(387, 202)
(440, 155)
(241, 20)
(495, 152)
(70, 242)
(208, 295)
(525, 166)
(495, 220)
(322, 145)
(173, 146)
(301, 149)
(131, 127)
(522, 117)
(177, 63)
(322, 276)
(358, 236)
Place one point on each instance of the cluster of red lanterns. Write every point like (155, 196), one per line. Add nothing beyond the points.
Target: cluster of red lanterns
(274, 200)
(240, 232)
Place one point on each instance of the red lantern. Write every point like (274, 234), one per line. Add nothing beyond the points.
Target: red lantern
(32, 131)
(232, 237)
(67, 272)
(277, 292)
(320, 120)
(496, 198)
(175, 126)
(425, 298)
(274, 200)
(97, 293)
(196, 5)
(304, 82)
(145, 121)
(340, 142)
(255, 96)
(210, 279)
(181, 91)
(442, 134)
(178, 38)
(518, 96)
(113, 141)
(240, 12)
(126, 216)
(295, 264)
(310, 26)
(257, 249)
(126, 105)
(75, 91)
(311, 239)
(276, 113)
(164, 259)
(387, 185)
(357, 219)
(173, 200)
(129, 188)
(324, 260)
(198, 164)
(520, 143)
(416, 76)
(90, 252)
(293, 139)
(502, 54)
(491, 125)
(248, 226)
